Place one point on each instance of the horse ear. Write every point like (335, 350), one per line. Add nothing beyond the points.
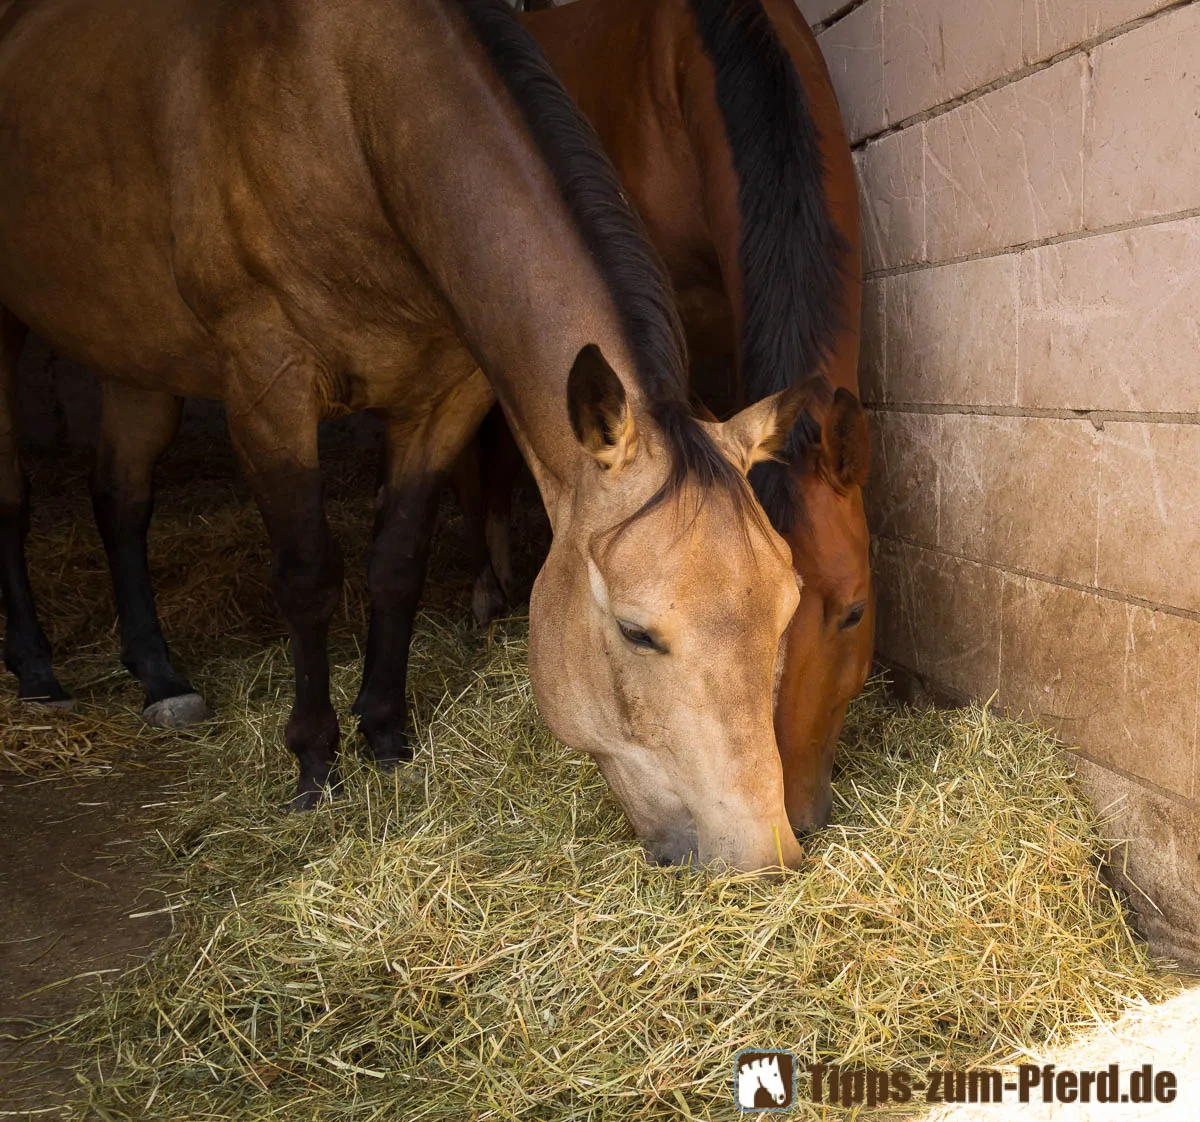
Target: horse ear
(846, 441)
(760, 430)
(599, 410)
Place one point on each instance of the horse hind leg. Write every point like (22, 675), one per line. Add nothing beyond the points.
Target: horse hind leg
(26, 648)
(135, 428)
(503, 468)
(488, 600)
(483, 479)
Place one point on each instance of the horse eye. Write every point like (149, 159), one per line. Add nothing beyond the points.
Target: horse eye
(854, 616)
(639, 638)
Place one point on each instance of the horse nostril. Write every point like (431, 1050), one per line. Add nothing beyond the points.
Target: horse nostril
(814, 817)
(813, 823)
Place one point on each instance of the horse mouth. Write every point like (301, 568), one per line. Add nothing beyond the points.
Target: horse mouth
(678, 846)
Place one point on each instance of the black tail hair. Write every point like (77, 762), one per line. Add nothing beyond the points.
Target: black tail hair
(790, 251)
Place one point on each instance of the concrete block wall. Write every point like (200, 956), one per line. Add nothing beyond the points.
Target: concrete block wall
(1030, 180)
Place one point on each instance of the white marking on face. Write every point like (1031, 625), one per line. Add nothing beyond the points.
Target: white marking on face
(779, 657)
(782, 649)
(599, 588)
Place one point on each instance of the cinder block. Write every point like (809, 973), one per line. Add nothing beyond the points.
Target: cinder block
(853, 50)
(1112, 321)
(1155, 857)
(1022, 493)
(895, 637)
(936, 50)
(891, 176)
(952, 333)
(902, 492)
(1050, 26)
(1149, 539)
(872, 343)
(818, 11)
(1118, 680)
(1007, 168)
(938, 615)
(1143, 153)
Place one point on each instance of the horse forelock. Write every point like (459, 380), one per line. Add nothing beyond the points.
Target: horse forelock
(791, 253)
(698, 469)
(774, 481)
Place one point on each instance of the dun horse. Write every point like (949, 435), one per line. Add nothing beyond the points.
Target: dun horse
(306, 207)
(721, 120)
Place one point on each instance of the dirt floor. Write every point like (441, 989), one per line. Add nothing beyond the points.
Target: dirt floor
(79, 902)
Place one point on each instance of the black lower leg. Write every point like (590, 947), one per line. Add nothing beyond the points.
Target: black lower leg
(399, 555)
(307, 580)
(135, 427)
(487, 596)
(501, 467)
(123, 523)
(26, 648)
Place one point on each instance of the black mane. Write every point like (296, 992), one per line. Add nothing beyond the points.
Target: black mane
(789, 250)
(616, 240)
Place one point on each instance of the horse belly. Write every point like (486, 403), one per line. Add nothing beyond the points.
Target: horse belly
(85, 238)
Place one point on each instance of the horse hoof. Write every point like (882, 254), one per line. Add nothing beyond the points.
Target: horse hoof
(389, 764)
(488, 601)
(176, 712)
(387, 746)
(305, 801)
(311, 793)
(62, 704)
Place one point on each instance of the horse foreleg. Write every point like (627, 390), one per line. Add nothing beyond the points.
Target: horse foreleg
(135, 428)
(418, 456)
(273, 414)
(26, 648)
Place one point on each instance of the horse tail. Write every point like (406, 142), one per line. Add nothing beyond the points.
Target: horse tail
(791, 254)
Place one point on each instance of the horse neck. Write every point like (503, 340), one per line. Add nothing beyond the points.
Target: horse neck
(472, 196)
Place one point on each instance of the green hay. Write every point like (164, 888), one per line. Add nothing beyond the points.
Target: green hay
(480, 935)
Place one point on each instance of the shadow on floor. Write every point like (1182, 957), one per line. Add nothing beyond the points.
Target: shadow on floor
(79, 902)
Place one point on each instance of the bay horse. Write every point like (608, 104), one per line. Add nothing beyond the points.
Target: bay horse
(307, 207)
(723, 125)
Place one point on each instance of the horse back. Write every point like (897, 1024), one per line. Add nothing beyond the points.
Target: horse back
(169, 162)
(620, 63)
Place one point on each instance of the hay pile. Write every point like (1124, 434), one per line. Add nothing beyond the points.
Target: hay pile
(480, 936)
